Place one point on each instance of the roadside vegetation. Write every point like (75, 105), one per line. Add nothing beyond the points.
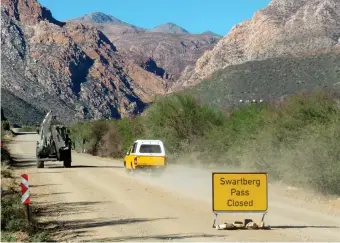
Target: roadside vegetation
(296, 140)
(6, 158)
(14, 226)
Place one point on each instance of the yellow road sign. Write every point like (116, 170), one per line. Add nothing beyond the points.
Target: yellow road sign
(239, 192)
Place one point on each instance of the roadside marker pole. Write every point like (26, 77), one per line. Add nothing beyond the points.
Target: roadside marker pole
(25, 196)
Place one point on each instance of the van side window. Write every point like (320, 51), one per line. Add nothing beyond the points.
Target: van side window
(134, 148)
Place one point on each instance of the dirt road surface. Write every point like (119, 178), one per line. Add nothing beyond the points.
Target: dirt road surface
(96, 200)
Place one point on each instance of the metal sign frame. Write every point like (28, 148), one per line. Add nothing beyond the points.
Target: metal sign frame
(217, 212)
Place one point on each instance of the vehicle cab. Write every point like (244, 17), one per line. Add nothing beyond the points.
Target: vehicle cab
(145, 154)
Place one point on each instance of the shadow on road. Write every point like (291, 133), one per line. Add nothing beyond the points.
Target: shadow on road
(71, 229)
(49, 194)
(45, 185)
(160, 237)
(89, 223)
(57, 209)
(87, 166)
(99, 166)
(27, 160)
(16, 141)
(30, 162)
(24, 163)
(49, 172)
(302, 227)
(79, 227)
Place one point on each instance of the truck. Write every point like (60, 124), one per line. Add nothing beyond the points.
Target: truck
(53, 144)
(147, 155)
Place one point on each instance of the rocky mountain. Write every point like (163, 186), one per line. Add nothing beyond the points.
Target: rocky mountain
(166, 50)
(100, 18)
(285, 28)
(70, 68)
(19, 111)
(107, 24)
(169, 28)
(166, 55)
(28, 12)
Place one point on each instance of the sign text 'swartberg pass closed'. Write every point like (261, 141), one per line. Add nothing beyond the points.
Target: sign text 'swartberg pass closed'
(240, 192)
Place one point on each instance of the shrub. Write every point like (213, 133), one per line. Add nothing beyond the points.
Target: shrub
(296, 140)
(28, 129)
(12, 217)
(301, 144)
(5, 126)
(107, 138)
(14, 226)
(97, 131)
(179, 118)
(110, 142)
(129, 131)
(240, 126)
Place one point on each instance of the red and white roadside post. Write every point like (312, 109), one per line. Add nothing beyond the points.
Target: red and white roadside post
(25, 195)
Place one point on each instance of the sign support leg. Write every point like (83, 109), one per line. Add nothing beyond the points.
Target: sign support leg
(27, 213)
(215, 220)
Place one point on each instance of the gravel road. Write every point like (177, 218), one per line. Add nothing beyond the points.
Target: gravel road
(96, 200)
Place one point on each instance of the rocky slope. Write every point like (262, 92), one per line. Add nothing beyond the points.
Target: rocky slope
(269, 79)
(165, 50)
(166, 55)
(19, 111)
(283, 28)
(69, 68)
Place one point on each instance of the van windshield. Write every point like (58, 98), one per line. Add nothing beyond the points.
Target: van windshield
(150, 149)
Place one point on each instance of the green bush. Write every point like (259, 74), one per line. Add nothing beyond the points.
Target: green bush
(5, 126)
(296, 140)
(107, 138)
(12, 214)
(240, 126)
(180, 121)
(29, 129)
(129, 131)
(13, 221)
(299, 144)
(8, 237)
(97, 130)
(79, 133)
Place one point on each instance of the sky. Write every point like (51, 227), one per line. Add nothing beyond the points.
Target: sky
(196, 16)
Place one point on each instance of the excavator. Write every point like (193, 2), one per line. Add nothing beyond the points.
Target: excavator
(54, 143)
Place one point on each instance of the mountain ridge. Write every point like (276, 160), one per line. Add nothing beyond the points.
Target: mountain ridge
(283, 28)
(269, 80)
(169, 28)
(104, 18)
(85, 70)
(100, 18)
(72, 69)
(163, 52)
